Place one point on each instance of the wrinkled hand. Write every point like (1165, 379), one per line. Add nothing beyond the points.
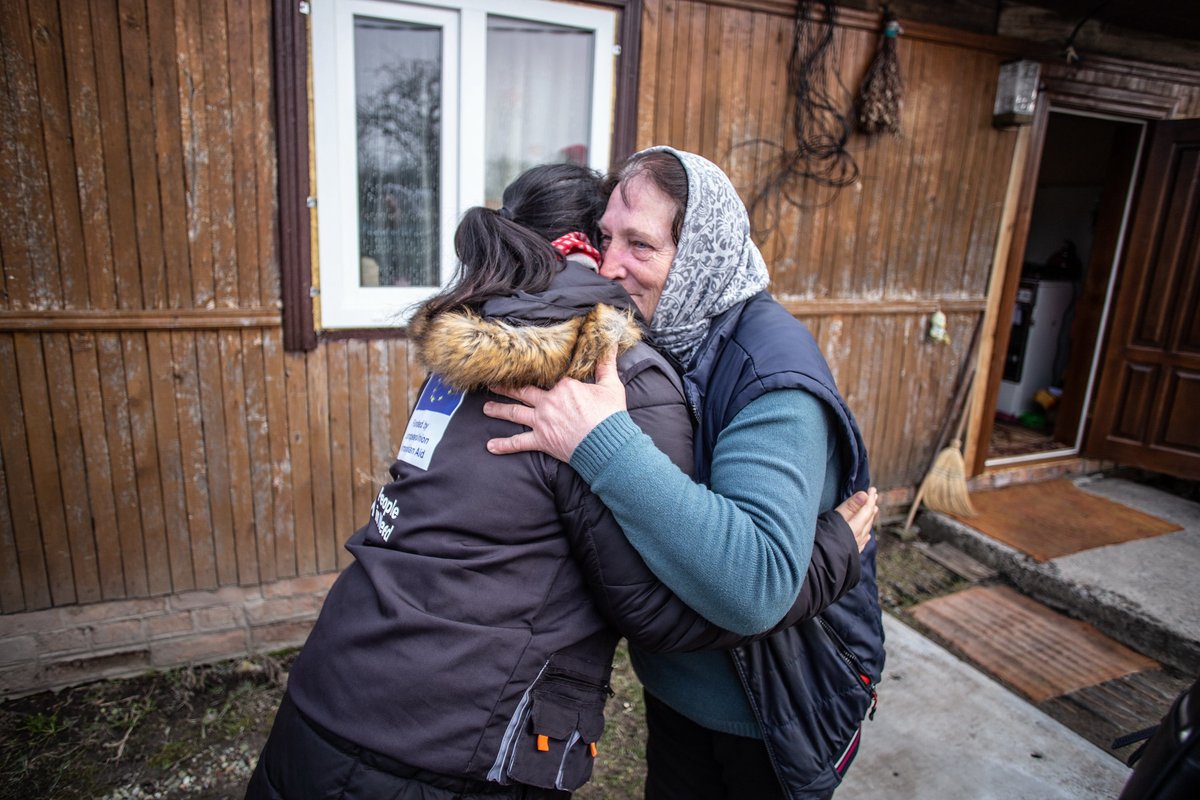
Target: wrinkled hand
(558, 419)
(860, 511)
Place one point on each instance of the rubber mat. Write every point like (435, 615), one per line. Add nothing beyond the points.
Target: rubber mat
(1056, 518)
(1025, 645)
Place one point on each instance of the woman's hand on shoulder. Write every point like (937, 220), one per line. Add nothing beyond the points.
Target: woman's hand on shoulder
(561, 417)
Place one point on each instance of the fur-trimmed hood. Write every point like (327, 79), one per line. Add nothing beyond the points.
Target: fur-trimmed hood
(528, 339)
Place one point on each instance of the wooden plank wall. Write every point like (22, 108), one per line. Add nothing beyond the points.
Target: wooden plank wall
(154, 437)
(864, 266)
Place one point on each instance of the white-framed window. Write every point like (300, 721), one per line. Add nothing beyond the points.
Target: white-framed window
(425, 109)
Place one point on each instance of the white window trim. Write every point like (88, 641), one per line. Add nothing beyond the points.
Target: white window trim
(342, 302)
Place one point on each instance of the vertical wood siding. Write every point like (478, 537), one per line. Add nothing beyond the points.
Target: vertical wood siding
(145, 463)
(156, 438)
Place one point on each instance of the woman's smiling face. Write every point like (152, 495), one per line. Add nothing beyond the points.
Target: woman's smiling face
(635, 235)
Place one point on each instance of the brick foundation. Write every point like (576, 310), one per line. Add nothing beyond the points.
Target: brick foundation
(59, 647)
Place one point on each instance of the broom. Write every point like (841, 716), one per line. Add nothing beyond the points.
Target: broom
(946, 484)
(944, 487)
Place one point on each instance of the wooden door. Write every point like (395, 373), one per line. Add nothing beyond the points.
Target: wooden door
(1148, 402)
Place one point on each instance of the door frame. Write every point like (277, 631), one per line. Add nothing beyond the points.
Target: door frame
(1069, 94)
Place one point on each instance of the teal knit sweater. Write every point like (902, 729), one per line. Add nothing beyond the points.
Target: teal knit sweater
(738, 552)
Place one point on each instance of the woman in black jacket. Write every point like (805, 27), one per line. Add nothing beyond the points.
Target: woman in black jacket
(468, 647)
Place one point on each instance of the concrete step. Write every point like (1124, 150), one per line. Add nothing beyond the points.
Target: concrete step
(1143, 593)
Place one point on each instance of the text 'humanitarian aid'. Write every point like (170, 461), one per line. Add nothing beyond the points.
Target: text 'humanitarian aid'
(428, 422)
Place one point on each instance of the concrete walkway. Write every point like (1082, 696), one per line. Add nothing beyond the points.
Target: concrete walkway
(945, 731)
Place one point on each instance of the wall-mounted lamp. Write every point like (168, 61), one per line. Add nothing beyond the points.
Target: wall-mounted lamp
(1016, 93)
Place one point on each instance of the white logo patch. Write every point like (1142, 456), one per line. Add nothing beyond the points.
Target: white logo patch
(428, 423)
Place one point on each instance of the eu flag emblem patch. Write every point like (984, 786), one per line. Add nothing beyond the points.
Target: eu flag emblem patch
(428, 422)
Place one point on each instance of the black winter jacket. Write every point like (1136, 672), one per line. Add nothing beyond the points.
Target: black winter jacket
(473, 634)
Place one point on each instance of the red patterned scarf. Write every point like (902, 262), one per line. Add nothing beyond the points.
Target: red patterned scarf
(575, 242)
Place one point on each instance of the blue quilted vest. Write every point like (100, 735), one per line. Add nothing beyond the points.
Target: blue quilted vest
(812, 685)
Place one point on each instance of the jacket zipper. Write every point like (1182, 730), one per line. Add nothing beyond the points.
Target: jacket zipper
(498, 772)
(851, 661)
(563, 677)
(766, 740)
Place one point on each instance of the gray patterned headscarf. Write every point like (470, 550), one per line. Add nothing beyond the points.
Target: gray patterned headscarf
(716, 264)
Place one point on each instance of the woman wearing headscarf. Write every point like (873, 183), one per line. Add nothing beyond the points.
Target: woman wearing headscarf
(466, 650)
(775, 445)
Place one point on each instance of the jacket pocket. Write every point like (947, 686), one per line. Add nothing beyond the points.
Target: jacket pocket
(862, 679)
(555, 731)
(847, 657)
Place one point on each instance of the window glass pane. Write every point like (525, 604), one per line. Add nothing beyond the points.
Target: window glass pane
(397, 71)
(539, 98)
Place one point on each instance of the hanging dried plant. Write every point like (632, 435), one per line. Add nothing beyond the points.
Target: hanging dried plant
(880, 96)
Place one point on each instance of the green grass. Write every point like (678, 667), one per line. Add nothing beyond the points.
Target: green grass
(620, 767)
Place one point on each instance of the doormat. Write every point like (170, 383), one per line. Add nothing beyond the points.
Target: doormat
(1025, 645)
(1056, 518)
(1011, 439)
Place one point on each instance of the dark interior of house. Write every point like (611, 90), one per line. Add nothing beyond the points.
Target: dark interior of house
(1048, 366)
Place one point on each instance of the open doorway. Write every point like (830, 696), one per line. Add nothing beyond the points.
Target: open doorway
(1080, 209)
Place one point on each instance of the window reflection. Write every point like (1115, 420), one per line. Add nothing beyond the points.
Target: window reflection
(399, 103)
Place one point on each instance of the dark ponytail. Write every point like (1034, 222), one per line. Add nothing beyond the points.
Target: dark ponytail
(497, 257)
(504, 251)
